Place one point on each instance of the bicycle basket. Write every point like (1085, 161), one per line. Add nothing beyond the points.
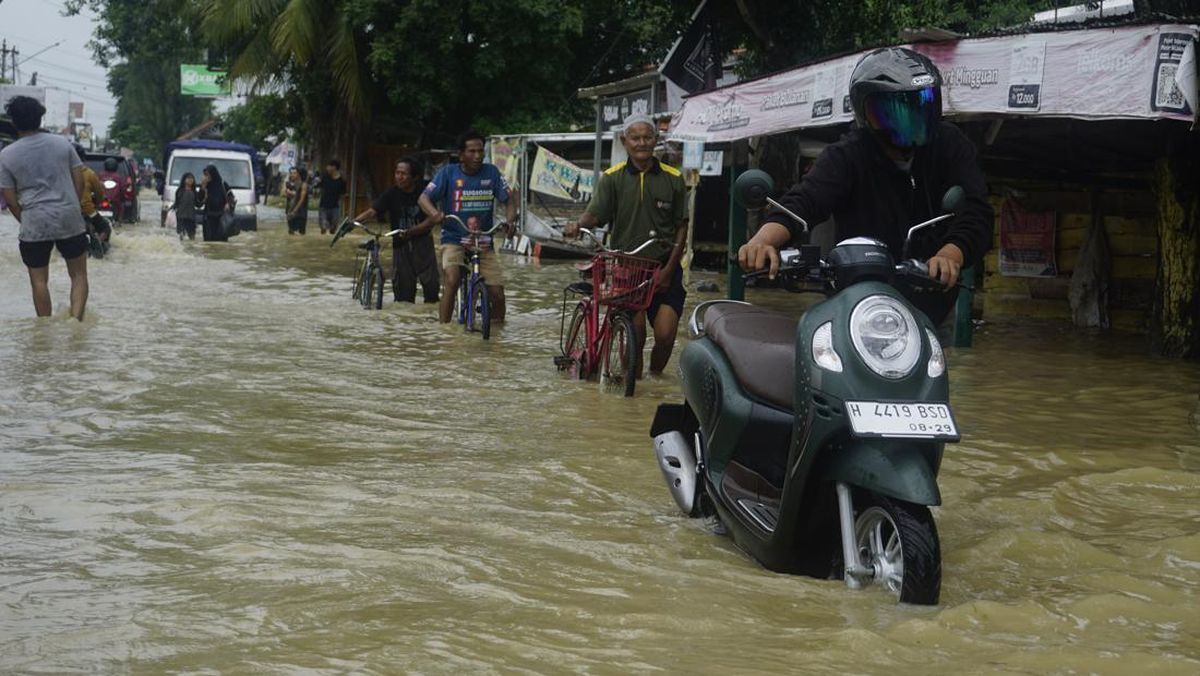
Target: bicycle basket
(624, 281)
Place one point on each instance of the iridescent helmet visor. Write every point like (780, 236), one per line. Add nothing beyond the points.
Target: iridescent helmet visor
(904, 119)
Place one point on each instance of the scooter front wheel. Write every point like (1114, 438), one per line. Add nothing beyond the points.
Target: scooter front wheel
(899, 540)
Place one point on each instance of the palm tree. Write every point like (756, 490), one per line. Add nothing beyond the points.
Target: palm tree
(301, 45)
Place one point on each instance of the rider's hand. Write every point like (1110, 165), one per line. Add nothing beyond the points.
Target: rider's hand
(753, 256)
(571, 230)
(945, 264)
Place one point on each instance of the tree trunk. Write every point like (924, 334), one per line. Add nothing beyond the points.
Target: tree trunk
(1175, 327)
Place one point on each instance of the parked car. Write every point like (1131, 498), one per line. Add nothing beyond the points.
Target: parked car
(120, 185)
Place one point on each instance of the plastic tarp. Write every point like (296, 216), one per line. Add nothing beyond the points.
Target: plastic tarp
(1132, 72)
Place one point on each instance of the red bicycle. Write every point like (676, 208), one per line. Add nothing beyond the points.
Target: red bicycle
(604, 343)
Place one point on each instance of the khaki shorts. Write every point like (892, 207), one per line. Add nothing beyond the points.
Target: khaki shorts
(489, 265)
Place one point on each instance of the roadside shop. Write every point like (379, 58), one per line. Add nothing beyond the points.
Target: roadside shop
(1087, 137)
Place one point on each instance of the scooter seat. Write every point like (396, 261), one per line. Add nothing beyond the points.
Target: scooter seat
(761, 347)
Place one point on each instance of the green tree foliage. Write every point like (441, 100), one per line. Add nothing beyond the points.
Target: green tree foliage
(142, 43)
(509, 65)
(263, 118)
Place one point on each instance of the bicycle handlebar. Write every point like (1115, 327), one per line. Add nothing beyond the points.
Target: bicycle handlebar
(600, 245)
(489, 231)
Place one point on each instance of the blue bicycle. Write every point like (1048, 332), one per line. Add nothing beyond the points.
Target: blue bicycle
(474, 309)
(368, 271)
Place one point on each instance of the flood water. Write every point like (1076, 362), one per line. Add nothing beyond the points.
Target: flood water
(231, 467)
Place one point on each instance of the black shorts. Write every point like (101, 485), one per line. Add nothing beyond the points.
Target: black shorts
(37, 254)
(672, 296)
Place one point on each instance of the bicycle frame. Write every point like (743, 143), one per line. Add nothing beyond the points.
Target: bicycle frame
(370, 263)
(597, 326)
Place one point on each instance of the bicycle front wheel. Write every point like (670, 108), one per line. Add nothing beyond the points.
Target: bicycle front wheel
(378, 288)
(485, 309)
(618, 361)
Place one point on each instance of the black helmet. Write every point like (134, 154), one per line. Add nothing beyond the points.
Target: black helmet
(897, 94)
(110, 164)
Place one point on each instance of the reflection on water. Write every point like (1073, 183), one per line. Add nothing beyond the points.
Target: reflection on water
(230, 466)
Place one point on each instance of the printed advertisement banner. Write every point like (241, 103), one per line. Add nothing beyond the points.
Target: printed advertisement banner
(1026, 242)
(554, 176)
(614, 109)
(198, 80)
(506, 155)
(1136, 72)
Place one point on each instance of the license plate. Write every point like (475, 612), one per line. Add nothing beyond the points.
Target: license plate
(105, 213)
(897, 419)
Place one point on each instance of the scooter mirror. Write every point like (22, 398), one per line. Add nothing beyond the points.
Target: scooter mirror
(954, 199)
(752, 189)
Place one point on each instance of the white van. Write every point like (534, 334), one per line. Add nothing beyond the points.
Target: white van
(236, 168)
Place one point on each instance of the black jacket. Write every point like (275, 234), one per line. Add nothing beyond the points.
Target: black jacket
(869, 196)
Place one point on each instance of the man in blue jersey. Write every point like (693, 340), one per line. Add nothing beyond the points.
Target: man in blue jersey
(469, 190)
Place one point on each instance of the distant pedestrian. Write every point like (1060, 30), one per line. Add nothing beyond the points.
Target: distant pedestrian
(214, 195)
(333, 187)
(187, 198)
(297, 200)
(41, 178)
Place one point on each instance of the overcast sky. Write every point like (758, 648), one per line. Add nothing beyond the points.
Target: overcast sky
(67, 70)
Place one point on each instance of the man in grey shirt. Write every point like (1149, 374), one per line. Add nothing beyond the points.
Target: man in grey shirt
(41, 178)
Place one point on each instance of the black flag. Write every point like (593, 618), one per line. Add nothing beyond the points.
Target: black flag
(695, 61)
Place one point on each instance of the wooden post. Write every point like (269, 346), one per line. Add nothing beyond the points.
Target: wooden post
(1175, 325)
(737, 236)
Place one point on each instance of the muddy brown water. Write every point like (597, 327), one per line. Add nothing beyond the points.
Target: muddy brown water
(230, 467)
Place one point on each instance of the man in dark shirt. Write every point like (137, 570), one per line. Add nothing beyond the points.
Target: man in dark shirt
(333, 186)
(889, 174)
(413, 257)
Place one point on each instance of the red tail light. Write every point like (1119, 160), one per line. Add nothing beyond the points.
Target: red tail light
(104, 204)
(129, 186)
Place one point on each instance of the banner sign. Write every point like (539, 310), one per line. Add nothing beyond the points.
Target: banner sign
(614, 109)
(1134, 72)
(506, 155)
(198, 80)
(554, 176)
(1026, 242)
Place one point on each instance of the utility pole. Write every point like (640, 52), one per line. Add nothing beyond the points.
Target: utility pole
(4, 60)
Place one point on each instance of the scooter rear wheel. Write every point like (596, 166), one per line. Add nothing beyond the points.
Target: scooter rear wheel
(899, 540)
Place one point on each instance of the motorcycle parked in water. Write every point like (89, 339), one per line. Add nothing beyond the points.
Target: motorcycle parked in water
(817, 443)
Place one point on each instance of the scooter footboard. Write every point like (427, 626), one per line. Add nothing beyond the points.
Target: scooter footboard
(900, 469)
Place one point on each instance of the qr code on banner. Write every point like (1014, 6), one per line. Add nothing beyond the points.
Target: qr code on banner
(1168, 94)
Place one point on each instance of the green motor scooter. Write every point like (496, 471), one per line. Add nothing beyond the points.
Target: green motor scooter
(817, 443)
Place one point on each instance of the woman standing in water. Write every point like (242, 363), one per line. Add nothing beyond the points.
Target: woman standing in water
(297, 200)
(213, 195)
(187, 200)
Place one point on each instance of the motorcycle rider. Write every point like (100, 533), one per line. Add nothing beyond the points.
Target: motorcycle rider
(93, 193)
(889, 174)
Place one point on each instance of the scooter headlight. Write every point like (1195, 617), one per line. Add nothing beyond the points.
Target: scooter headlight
(886, 336)
(937, 358)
